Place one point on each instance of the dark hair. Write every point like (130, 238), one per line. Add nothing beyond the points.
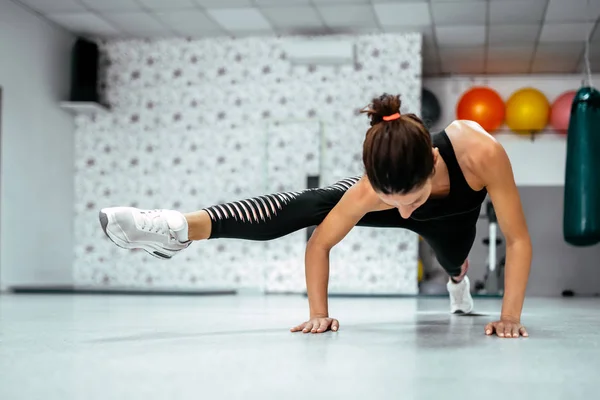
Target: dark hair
(397, 154)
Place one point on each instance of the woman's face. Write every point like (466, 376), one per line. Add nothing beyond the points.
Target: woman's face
(409, 202)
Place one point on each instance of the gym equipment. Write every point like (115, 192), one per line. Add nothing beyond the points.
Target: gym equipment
(561, 111)
(581, 218)
(527, 111)
(493, 282)
(482, 105)
(430, 108)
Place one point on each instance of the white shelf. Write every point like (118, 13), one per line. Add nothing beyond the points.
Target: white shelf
(83, 107)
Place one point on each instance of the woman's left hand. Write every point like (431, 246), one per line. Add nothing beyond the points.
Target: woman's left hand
(506, 328)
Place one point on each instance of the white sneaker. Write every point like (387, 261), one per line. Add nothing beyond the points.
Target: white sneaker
(461, 301)
(152, 230)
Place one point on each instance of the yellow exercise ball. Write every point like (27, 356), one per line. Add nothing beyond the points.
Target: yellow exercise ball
(527, 111)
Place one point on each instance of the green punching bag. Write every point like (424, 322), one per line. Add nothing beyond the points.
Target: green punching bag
(581, 219)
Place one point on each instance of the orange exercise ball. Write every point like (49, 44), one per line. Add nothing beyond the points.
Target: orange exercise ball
(527, 111)
(482, 105)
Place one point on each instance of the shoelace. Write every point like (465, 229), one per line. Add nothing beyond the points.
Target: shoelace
(153, 221)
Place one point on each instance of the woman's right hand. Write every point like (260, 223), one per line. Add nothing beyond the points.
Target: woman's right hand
(317, 325)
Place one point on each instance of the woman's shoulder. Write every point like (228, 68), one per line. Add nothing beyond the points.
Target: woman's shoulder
(476, 150)
(468, 138)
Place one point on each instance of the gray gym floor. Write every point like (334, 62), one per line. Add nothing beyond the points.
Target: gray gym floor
(239, 347)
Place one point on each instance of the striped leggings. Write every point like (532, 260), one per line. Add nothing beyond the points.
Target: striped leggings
(275, 215)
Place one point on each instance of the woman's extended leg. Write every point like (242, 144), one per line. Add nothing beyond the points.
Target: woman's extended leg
(273, 216)
(163, 233)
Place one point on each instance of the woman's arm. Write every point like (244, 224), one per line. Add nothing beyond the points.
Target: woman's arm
(498, 176)
(356, 202)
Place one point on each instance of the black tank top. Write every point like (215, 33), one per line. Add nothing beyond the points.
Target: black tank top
(461, 199)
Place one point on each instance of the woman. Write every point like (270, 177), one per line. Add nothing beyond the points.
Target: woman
(433, 186)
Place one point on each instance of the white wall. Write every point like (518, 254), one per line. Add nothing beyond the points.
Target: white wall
(535, 163)
(203, 122)
(36, 151)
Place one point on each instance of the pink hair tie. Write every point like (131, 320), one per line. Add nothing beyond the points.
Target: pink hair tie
(391, 117)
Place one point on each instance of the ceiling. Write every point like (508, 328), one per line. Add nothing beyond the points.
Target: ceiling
(459, 36)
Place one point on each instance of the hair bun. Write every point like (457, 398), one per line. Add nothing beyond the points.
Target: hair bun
(382, 106)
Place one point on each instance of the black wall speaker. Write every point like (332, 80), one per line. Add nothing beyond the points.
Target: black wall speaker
(84, 72)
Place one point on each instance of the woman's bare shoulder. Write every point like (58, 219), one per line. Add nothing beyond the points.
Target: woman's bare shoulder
(470, 135)
(475, 148)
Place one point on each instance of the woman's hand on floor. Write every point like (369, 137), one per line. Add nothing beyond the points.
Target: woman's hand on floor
(506, 328)
(317, 325)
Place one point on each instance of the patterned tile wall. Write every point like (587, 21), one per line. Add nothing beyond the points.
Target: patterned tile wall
(200, 122)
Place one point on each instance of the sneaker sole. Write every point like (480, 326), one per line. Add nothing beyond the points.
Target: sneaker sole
(461, 312)
(467, 311)
(127, 246)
